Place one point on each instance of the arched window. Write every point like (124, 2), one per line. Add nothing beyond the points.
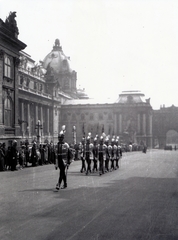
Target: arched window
(91, 116)
(8, 112)
(82, 116)
(7, 67)
(100, 116)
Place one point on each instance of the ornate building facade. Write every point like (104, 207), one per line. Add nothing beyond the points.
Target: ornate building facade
(129, 117)
(37, 99)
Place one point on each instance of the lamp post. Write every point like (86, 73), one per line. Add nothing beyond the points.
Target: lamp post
(74, 135)
(38, 127)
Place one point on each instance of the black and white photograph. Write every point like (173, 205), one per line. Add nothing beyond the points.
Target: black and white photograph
(89, 120)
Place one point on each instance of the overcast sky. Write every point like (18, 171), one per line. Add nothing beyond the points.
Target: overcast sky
(114, 45)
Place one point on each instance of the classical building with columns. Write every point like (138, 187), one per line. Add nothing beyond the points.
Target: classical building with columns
(129, 117)
(37, 99)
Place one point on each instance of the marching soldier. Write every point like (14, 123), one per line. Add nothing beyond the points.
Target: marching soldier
(113, 155)
(119, 152)
(82, 155)
(95, 155)
(88, 153)
(106, 155)
(63, 160)
(101, 156)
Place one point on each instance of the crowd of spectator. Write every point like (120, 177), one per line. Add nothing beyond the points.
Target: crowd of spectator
(16, 158)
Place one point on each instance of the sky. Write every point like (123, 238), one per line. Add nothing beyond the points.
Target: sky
(114, 45)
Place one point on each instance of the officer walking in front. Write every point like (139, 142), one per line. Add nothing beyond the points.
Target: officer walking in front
(63, 160)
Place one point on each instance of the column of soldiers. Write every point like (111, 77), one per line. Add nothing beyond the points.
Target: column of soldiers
(100, 155)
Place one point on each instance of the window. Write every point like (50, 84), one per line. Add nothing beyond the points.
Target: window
(35, 85)
(7, 67)
(100, 116)
(91, 117)
(8, 112)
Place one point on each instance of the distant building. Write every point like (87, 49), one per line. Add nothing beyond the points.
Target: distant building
(37, 99)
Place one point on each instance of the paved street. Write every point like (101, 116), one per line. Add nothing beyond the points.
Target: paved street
(138, 201)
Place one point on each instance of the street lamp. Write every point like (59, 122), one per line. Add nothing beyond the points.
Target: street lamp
(74, 135)
(38, 127)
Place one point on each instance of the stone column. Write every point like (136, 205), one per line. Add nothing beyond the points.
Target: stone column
(120, 123)
(29, 119)
(115, 123)
(1, 91)
(48, 120)
(16, 95)
(151, 130)
(150, 124)
(22, 117)
(36, 114)
(41, 113)
(144, 123)
(138, 123)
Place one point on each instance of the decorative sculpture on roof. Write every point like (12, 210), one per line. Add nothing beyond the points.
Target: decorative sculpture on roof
(11, 23)
(57, 43)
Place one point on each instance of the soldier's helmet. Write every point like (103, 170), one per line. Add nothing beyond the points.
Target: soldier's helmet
(61, 136)
(88, 139)
(112, 141)
(106, 140)
(101, 139)
(95, 140)
(83, 140)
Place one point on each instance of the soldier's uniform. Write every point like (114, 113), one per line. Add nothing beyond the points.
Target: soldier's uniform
(88, 154)
(107, 155)
(63, 160)
(118, 153)
(82, 155)
(110, 154)
(101, 155)
(114, 154)
(95, 155)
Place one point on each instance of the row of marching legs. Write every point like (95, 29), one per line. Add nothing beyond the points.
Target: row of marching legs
(101, 166)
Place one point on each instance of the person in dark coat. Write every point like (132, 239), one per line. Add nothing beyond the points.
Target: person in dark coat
(13, 157)
(2, 168)
(34, 156)
(5, 156)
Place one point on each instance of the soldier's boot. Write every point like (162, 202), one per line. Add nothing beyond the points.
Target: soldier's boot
(64, 186)
(57, 186)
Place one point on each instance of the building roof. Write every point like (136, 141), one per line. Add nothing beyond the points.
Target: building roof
(132, 97)
(88, 101)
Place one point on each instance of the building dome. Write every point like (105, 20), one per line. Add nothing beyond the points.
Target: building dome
(57, 61)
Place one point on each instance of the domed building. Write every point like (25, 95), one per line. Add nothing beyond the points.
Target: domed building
(39, 98)
(59, 70)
